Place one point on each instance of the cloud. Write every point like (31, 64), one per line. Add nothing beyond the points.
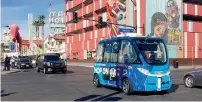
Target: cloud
(24, 30)
(16, 15)
(13, 14)
(14, 8)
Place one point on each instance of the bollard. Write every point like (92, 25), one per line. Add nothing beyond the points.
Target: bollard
(175, 64)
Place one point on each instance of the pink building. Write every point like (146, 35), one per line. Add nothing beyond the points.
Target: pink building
(184, 24)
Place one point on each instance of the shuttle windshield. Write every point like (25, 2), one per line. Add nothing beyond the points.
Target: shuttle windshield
(153, 51)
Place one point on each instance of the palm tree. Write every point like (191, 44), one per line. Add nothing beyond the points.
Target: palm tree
(42, 23)
(36, 24)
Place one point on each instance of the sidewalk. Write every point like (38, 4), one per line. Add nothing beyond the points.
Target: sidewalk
(91, 65)
(7, 72)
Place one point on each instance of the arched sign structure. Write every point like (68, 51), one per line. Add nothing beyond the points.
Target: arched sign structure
(14, 30)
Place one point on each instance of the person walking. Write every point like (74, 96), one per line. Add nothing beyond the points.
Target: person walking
(7, 64)
(12, 62)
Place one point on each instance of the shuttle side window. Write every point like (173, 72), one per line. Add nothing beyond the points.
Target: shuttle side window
(115, 52)
(107, 52)
(100, 52)
(128, 51)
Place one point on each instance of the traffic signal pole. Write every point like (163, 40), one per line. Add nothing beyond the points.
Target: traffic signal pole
(109, 23)
(76, 19)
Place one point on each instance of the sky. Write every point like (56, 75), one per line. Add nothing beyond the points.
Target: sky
(16, 12)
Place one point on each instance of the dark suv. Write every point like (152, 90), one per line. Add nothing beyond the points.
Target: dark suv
(23, 63)
(50, 63)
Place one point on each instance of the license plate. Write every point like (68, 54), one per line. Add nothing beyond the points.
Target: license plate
(159, 84)
(159, 73)
(57, 69)
(27, 65)
(57, 65)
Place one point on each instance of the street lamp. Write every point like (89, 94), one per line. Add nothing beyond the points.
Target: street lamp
(5, 26)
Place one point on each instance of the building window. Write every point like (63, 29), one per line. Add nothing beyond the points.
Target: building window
(60, 42)
(75, 55)
(46, 46)
(89, 55)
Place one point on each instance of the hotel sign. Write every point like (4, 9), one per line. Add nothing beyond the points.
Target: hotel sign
(56, 17)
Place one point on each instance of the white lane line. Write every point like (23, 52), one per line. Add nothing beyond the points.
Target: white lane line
(80, 65)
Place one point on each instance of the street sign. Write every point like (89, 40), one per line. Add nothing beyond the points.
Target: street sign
(126, 30)
(12, 47)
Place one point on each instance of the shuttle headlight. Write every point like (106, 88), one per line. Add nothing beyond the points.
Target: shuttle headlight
(158, 74)
(144, 71)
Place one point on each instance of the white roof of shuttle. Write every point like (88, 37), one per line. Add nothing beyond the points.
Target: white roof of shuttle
(131, 35)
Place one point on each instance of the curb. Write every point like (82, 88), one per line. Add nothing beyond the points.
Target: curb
(11, 71)
(171, 67)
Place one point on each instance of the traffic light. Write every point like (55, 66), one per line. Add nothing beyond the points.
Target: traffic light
(75, 17)
(100, 21)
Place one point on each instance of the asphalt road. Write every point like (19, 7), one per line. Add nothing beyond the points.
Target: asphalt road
(76, 85)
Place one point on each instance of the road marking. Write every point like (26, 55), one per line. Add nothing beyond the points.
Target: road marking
(80, 65)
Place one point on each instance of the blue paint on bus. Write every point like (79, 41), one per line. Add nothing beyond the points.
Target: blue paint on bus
(143, 60)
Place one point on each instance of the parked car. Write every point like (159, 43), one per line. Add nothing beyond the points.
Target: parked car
(23, 63)
(193, 78)
(50, 63)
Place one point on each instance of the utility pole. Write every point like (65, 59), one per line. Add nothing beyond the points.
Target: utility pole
(30, 27)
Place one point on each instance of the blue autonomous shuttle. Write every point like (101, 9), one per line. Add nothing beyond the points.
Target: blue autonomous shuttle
(132, 64)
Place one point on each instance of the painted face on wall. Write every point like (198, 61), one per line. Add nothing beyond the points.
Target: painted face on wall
(172, 13)
(160, 29)
(158, 24)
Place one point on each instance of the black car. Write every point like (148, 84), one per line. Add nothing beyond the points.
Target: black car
(50, 63)
(23, 63)
(192, 79)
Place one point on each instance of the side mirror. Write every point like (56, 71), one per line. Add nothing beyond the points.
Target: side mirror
(126, 58)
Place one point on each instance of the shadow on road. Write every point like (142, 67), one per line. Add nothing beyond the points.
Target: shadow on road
(172, 90)
(100, 97)
(14, 72)
(25, 71)
(6, 94)
(198, 87)
(68, 72)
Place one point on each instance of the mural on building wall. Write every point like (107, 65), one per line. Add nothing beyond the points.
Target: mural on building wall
(116, 13)
(166, 18)
(159, 25)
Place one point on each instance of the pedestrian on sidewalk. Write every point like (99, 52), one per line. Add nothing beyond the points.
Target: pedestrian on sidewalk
(7, 64)
(12, 62)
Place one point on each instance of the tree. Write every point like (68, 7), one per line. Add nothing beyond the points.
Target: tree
(36, 24)
(42, 23)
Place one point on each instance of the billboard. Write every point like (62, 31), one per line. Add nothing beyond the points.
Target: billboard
(164, 19)
(116, 13)
(56, 17)
(56, 22)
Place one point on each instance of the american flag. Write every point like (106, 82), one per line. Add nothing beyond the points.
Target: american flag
(49, 5)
